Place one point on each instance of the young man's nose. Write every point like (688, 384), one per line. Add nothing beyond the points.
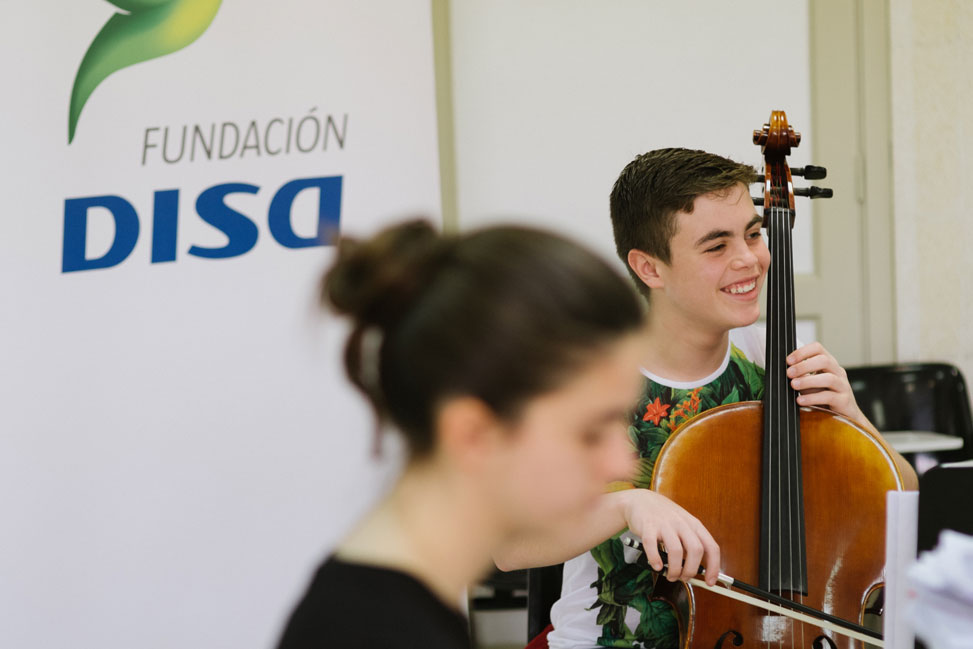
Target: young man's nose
(744, 257)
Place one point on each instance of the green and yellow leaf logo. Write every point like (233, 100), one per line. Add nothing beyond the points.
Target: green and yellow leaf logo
(146, 30)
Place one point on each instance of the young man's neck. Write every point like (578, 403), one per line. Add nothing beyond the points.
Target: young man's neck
(682, 350)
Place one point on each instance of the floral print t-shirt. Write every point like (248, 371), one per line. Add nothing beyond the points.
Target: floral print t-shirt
(606, 597)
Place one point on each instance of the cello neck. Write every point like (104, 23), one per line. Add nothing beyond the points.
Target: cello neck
(783, 557)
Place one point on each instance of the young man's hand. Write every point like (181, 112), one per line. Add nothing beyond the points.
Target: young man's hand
(656, 519)
(821, 381)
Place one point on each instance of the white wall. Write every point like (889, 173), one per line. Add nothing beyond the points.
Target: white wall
(932, 136)
(553, 98)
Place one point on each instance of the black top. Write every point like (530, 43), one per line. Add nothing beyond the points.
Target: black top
(351, 605)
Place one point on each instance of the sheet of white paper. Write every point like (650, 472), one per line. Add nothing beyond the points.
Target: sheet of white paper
(901, 528)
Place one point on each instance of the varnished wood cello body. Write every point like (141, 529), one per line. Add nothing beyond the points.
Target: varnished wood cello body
(795, 497)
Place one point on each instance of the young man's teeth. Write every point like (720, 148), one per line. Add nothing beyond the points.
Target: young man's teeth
(742, 288)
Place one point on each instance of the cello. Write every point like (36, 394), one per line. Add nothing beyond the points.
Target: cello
(795, 496)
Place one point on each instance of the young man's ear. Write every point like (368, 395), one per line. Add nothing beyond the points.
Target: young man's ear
(646, 267)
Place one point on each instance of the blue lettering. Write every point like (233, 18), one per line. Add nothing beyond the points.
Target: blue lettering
(165, 225)
(240, 231)
(76, 232)
(329, 212)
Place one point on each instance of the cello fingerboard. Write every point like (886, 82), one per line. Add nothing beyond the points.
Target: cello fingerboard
(783, 559)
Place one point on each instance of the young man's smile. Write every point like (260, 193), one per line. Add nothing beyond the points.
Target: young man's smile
(744, 289)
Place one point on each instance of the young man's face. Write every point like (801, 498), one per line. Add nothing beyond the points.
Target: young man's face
(717, 263)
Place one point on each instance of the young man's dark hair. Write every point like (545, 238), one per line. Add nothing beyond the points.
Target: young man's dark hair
(656, 185)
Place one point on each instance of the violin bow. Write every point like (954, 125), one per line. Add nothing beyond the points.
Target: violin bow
(774, 603)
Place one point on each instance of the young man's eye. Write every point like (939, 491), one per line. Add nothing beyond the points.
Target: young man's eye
(754, 235)
(716, 248)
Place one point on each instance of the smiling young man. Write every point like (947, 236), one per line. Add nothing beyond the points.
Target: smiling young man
(686, 226)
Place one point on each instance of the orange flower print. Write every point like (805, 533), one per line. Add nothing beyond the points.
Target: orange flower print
(688, 407)
(694, 400)
(655, 411)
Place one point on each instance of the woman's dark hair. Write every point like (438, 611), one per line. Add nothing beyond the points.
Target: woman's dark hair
(502, 314)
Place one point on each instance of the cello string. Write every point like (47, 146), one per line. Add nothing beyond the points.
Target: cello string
(781, 253)
(773, 387)
(780, 224)
(779, 389)
(794, 432)
(785, 346)
(769, 405)
(776, 262)
(769, 389)
(798, 479)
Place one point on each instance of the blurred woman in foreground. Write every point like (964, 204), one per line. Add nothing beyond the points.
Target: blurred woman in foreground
(508, 359)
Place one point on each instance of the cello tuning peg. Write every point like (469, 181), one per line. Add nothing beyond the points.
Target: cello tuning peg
(758, 200)
(760, 137)
(811, 172)
(758, 178)
(814, 192)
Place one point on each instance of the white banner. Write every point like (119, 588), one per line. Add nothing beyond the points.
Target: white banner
(178, 445)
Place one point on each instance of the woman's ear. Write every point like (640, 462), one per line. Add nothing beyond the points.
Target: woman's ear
(467, 430)
(647, 268)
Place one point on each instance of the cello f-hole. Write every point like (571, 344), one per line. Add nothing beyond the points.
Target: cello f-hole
(736, 639)
(824, 642)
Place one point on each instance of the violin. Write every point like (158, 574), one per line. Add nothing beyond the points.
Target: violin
(795, 497)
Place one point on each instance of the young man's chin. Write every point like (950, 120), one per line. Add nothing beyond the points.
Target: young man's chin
(744, 318)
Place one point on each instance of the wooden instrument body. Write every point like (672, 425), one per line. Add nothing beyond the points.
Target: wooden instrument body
(846, 474)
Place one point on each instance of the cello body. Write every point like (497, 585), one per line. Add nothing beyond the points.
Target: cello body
(846, 471)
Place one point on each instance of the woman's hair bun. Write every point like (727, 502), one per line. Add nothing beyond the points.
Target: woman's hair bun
(501, 314)
(373, 280)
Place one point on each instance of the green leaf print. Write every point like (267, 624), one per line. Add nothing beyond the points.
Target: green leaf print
(657, 627)
(620, 586)
(753, 376)
(721, 386)
(605, 555)
(646, 437)
(643, 471)
(733, 397)
(707, 399)
(607, 615)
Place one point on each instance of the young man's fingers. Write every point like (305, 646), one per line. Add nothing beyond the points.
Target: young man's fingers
(817, 398)
(819, 364)
(694, 557)
(674, 551)
(711, 554)
(804, 352)
(648, 531)
(822, 381)
(651, 549)
(836, 401)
